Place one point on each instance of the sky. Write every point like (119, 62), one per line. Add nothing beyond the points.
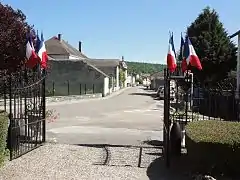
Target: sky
(135, 29)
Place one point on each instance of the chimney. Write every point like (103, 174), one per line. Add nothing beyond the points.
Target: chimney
(59, 37)
(80, 46)
(122, 58)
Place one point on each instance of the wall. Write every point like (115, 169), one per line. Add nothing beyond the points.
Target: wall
(156, 83)
(129, 80)
(111, 84)
(126, 75)
(137, 76)
(77, 73)
(117, 78)
(133, 80)
(146, 82)
(106, 89)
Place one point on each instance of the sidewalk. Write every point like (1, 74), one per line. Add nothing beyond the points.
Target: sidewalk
(77, 99)
(60, 162)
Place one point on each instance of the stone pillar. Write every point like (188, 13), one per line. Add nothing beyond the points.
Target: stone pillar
(117, 77)
(126, 76)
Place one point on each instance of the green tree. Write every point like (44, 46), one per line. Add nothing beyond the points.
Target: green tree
(122, 77)
(213, 46)
(146, 68)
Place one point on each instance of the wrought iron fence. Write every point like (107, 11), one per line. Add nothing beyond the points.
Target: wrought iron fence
(72, 88)
(206, 103)
(24, 100)
(195, 102)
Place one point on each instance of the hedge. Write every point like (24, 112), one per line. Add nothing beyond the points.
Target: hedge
(214, 145)
(3, 135)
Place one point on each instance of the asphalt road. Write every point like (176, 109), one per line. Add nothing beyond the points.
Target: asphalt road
(128, 118)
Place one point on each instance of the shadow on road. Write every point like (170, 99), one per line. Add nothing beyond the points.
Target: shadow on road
(158, 170)
(148, 155)
(118, 155)
(144, 88)
(150, 94)
(153, 143)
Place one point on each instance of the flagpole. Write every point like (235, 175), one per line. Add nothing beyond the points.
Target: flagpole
(191, 87)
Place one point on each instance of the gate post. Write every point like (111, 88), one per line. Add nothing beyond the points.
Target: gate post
(166, 129)
(44, 105)
(10, 133)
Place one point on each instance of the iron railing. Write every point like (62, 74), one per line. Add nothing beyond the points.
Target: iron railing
(24, 100)
(71, 88)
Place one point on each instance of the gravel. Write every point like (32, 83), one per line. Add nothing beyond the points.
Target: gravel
(62, 162)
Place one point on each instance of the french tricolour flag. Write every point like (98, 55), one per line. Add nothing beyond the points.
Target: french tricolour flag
(41, 51)
(171, 56)
(184, 61)
(32, 58)
(190, 55)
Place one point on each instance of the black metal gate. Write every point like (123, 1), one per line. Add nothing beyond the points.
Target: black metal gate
(24, 97)
(177, 102)
(194, 102)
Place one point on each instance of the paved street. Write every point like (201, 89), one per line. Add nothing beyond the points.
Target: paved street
(130, 117)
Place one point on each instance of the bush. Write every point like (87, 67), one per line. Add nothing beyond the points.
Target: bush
(214, 145)
(3, 135)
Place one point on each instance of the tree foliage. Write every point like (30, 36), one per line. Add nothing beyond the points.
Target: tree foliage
(13, 30)
(146, 68)
(213, 46)
(122, 77)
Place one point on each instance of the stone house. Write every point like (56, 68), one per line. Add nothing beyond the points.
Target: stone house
(70, 64)
(157, 79)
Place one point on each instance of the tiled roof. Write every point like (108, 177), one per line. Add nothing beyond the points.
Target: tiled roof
(108, 66)
(158, 75)
(61, 47)
(104, 62)
(85, 61)
(57, 47)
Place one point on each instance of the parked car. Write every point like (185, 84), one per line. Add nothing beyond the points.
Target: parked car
(160, 93)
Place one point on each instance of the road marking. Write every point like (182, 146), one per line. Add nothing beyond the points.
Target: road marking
(134, 110)
(82, 118)
(141, 110)
(101, 130)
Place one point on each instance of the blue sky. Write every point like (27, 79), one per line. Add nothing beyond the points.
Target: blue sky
(136, 29)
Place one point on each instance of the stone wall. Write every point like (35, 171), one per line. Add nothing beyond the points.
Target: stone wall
(68, 77)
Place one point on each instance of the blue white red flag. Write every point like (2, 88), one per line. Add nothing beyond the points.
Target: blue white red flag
(184, 62)
(171, 56)
(41, 51)
(32, 58)
(190, 55)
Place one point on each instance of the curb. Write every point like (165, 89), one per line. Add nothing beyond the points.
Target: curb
(68, 101)
(116, 93)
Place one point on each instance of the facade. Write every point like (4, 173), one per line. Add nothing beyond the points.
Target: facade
(74, 65)
(131, 80)
(157, 79)
(76, 76)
